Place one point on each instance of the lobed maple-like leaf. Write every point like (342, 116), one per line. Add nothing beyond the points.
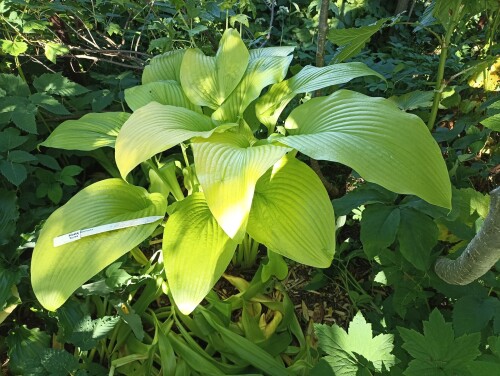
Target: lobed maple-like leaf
(346, 350)
(437, 352)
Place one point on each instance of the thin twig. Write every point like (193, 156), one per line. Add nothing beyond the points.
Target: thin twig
(320, 62)
(39, 62)
(82, 37)
(271, 6)
(97, 59)
(119, 52)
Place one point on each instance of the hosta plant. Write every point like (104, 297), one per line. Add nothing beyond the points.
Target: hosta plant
(240, 190)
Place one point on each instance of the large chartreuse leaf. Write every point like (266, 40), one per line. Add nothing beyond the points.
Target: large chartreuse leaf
(261, 72)
(196, 252)
(155, 128)
(292, 214)
(91, 131)
(164, 92)
(371, 135)
(164, 67)
(228, 168)
(269, 107)
(208, 81)
(57, 271)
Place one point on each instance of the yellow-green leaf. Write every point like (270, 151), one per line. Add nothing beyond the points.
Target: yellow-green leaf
(90, 132)
(228, 168)
(52, 50)
(196, 252)
(261, 72)
(379, 141)
(163, 92)
(13, 48)
(164, 67)
(270, 105)
(208, 81)
(292, 214)
(154, 128)
(57, 271)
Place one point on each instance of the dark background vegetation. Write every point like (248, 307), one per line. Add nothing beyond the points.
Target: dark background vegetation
(62, 59)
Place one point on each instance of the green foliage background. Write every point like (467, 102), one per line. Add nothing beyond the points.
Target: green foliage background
(62, 60)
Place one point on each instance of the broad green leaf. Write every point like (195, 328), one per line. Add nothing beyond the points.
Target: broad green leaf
(196, 252)
(101, 99)
(379, 226)
(352, 41)
(48, 103)
(90, 132)
(367, 193)
(270, 105)
(164, 67)
(413, 100)
(13, 48)
(437, 351)
(59, 362)
(163, 92)
(292, 215)
(342, 347)
(228, 169)
(52, 50)
(14, 85)
(493, 122)
(25, 349)
(55, 83)
(56, 272)
(20, 156)
(417, 235)
(472, 314)
(208, 81)
(11, 138)
(155, 128)
(15, 173)
(483, 368)
(77, 327)
(371, 135)
(260, 73)
(20, 111)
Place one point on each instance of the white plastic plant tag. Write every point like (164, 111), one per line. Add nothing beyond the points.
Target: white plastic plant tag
(78, 234)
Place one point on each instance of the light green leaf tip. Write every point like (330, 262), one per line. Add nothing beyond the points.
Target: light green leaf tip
(371, 135)
(90, 132)
(196, 252)
(57, 271)
(208, 81)
(228, 169)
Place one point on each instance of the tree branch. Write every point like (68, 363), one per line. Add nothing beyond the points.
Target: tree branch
(320, 62)
(482, 253)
